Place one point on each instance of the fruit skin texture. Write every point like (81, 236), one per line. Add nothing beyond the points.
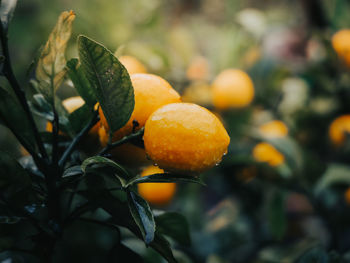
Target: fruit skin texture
(338, 129)
(341, 45)
(132, 65)
(274, 129)
(156, 193)
(185, 137)
(264, 152)
(151, 92)
(232, 88)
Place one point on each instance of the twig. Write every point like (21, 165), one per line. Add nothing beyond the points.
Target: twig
(55, 129)
(125, 139)
(77, 139)
(8, 72)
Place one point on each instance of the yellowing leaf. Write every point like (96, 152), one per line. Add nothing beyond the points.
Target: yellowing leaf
(51, 69)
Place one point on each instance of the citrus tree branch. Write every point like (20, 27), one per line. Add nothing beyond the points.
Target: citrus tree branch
(125, 139)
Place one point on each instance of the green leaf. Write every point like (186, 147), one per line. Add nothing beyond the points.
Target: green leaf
(80, 82)
(110, 81)
(72, 171)
(162, 246)
(7, 9)
(165, 178)
(14, 117)
(317, 254)
(79, 118)
(99, 161)
(335, 174)
(277, 216)
(51, 67)
(175, 226)
(143, 217)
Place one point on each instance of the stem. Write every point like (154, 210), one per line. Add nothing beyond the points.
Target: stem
(94, 221)
(77, 139)
(8, 72)
(125, 139)
(55, 129)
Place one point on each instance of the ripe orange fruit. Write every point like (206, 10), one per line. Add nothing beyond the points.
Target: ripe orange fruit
(151, 92)
(274, 129)
(156, 193)
(127, 154)
(264, 152)
(232, 88)
(338, 129)
(132, 65)
(185, 137)
(341, 44)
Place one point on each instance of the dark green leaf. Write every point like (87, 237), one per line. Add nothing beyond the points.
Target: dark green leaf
(143, 217)
(80, 118)
(51, 67)
(335, 174)
(110, 81)
(277, 216)
(72, 171)
(162, 246)
(80, 82)
(314, 255)
(14, 117)
(99, 161)
(7, 9)
(166, 178)
(175, 226)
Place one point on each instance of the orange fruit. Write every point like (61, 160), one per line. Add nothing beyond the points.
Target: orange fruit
(156, 193)
(347, 196)
(232, 88)
(132, 65)
(338, 129)
(341, 44)
(151, 92)
(199, 93)
(185, 137)
(274, 129)
(264, 152)
(198, 69)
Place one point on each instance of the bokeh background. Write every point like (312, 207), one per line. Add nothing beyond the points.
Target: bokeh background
(249, 211)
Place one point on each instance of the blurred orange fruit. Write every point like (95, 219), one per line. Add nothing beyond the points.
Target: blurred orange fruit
(132, 65)
(341, 44)
(264, 152)
(185, 137)
(198, 69)
(199, 93)
(339, 128)
(347, 196)
(151, 92)
(232, 88)
(156, 193)
(274, 129)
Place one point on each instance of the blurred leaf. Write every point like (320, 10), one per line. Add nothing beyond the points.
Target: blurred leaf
(335, 174)
(277, 216)
(51, 69)
(80, 82)
(99, 161)
(314, 255)
(121, 251)
(72, 171)
(162, 246)
(14, 117)
(7, 9)
(110, 81)
(142, 214)
(166, 178)
(175, 226)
